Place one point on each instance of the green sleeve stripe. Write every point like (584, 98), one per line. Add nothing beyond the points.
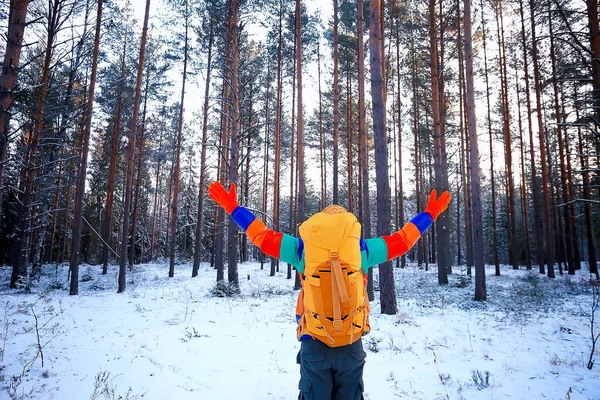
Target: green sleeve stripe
(377, 250)
(288, 251)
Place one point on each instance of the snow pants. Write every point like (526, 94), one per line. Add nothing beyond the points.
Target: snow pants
(331, 373)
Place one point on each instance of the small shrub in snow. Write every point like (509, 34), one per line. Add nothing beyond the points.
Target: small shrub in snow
(481, 380)
(56, 285)
(104, 388)
(88, 275)
(463, 281)
(224, 289)
(373, 344)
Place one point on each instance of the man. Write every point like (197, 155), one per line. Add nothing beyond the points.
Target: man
(333, 308)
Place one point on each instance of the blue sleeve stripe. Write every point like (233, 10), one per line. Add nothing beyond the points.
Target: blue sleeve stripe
(242, 217)
(422, 221)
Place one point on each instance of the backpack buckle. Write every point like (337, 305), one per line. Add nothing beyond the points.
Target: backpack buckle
(337, 325)
(334, 255)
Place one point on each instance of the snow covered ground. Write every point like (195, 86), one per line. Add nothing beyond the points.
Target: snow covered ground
(169, 338)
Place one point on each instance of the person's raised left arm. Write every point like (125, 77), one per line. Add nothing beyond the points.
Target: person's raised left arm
(385, 248)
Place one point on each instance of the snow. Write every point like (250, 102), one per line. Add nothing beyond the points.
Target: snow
(170, 338)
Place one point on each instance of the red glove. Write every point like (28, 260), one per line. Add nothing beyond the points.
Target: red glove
(227, 200)
(436, 207)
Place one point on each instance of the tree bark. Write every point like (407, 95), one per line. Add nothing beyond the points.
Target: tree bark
(537, 213)
(175, 204)
(232, 270)
(29, 171)
(362, 126)
(78, 213)
(489, 126)
(200, 219)
(131, 154)
(8, 80)
(442, 230)
(336, 95)
(548, 234)
(480, 288)
(386, 276)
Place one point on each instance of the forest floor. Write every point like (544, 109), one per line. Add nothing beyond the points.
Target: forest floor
(172, 338)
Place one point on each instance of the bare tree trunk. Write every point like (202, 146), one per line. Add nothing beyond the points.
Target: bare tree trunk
(336, 95)
(19, 245)
(300, 159)
(549, 235)
(349, 137)
(322, 162)
(489, 124)
(232, 270)
(569, 233)
(131, 154)
(362, 126)
(400, 192)
(507, 140)
(442, 230)
(480, 288)
(523, 185)
(386, 276)
(157, 189)
(593, 25)
(8, 80)
(200, 219)
(589, 220)
(465, 165)
(138, 180)
(112, 168)
(78, 214)
(537, 213)
(277, 172)
(175, 204)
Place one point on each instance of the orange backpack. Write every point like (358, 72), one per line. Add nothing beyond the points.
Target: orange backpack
(332, 305)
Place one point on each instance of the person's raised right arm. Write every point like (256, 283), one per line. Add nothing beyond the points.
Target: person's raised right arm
(274, 244)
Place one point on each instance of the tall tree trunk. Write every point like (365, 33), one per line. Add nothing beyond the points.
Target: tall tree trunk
(400, 192)
(175, 204)
(200, 218)
(523, 185)
(512, 224)
(442, 229)
(78, 214)
(336, 95)
(489, 125)
(589, 220)
(157, 190)
(19, 245)
(8, 80)
(535, 192)
(112, 167)
(386, 276)
(548, 234)
(593, 25)
(568, 237)
(301, 216)
(232, 270)
(465, 165)
(131, 154)
(362, 126)
(138, 181)
(349, 136)
(277, 172)
(480, 289)
(322, 160)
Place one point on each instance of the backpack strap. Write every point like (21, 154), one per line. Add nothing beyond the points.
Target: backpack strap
(339, 293)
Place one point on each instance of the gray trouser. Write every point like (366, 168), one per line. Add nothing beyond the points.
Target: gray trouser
(331, 373)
